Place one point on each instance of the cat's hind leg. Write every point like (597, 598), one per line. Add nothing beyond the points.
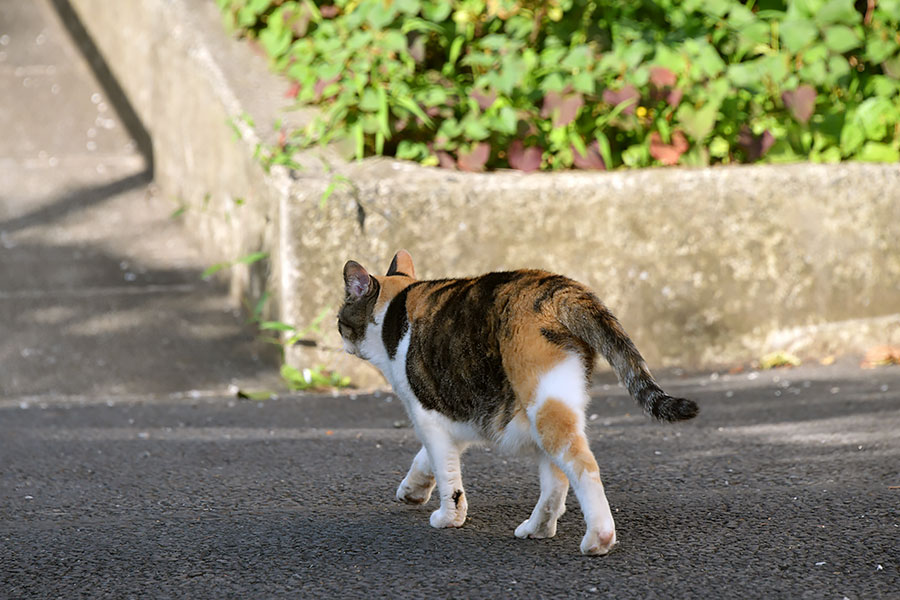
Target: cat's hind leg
(557, 415)
(416, 487)
(551, 504)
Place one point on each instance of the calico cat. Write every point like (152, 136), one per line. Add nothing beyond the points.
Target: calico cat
(506, 358)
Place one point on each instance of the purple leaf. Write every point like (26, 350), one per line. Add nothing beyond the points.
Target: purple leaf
(592, 160)
(551, 101)
(629, 92)
(417, 48)
(568, 110)
(755, 146)
(524, 159)
(329, 12)
(801, 102)
(484, 99)
(662, 77)
(563, 108)
(673, 98)
(475, 158)
(322, 84)
(668, 154)
(445, 160)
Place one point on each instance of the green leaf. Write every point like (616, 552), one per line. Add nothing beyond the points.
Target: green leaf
(323, 201)
(875, 115)
(717, 8)
(577, 142)
(506, 121)
(578, 58)
(880, 85)
(408, 150)
(455, 49)
(369, 101)
(815, 73)
(697, 123)
(359, 140)
(275, 326)
(796, 35)
(838, 67)
(877, 49)
(837, 11)
(852, 138)
(605, 150)
(709, 61)
(252, 258)
(437, 11)
(553, 82)
(411, 106)
(381, 14)
(841, 38)
(745, 75)
(474, 129)
(212, 270)
(583, 82)
(754, 34)
(775, 67)
(878, 152)
(890, 8)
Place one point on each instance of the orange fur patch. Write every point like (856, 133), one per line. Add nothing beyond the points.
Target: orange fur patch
(390, 287)
(557, 424)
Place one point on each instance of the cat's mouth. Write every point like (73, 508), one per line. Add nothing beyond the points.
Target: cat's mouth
(354, 350)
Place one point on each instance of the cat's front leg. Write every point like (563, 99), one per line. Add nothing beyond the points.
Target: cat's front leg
(416, 487)
(444, 453)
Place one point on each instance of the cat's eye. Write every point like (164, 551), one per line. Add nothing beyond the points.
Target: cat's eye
(344, 325)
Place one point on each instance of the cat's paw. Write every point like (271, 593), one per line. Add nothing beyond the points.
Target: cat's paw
(414, 494)
(444, 517)
(530, 528)
(598, 542)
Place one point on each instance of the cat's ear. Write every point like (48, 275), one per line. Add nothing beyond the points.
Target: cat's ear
(402, 265)
(357, 281)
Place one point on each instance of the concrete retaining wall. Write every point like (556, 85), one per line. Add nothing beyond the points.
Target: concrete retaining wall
(704, 267)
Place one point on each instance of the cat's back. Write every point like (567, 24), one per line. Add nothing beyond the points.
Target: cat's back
(472, 340)
(488, 303)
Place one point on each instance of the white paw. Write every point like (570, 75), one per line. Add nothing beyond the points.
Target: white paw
(598, 542)
(414, 494)
(536, 529)
(444, 517)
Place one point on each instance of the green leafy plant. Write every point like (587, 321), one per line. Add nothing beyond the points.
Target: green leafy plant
(249, 259)
(316, 378)
(297, 335)
(475, 84)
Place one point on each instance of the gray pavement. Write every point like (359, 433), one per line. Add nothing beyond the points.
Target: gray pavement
(783, 487)
(127, 471)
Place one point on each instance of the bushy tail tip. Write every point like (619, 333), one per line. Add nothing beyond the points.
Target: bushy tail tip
(668, 408)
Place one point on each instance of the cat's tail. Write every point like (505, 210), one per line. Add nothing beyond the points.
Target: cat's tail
(592, 322)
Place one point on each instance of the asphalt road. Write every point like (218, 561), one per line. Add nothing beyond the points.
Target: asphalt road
(784, 487)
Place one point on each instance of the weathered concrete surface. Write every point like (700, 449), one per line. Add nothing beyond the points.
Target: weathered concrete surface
(197, 92)
(703, 267)
(100, 289)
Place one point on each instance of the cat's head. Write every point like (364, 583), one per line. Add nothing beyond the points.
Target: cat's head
(365, 295)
